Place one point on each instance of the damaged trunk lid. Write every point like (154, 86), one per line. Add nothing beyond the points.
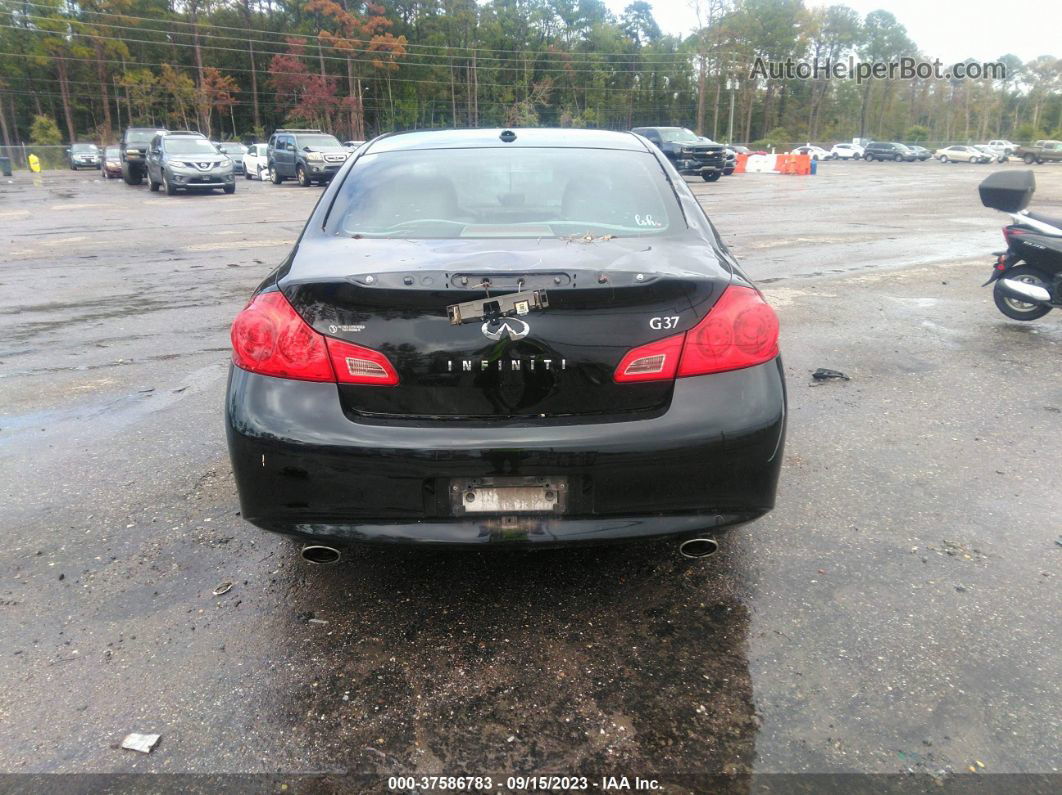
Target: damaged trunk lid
(535, 330)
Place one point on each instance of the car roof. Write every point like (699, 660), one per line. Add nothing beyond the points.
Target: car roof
(491, 139)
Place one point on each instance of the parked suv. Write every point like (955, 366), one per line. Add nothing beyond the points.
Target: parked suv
(188, 160)
(887, 150)
(84, 156)
(133, 151)
(306, 155)
(689, 153)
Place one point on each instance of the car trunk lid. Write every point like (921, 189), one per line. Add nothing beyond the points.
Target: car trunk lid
(444, 315)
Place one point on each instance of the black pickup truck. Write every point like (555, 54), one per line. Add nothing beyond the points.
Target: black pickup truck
(689, 153)
(133, 152)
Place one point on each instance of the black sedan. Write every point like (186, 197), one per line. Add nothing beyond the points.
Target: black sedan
(506, 337)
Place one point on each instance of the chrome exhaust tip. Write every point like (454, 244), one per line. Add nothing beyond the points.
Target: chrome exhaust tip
(1023, 291)
(698, 547)
(320, 555)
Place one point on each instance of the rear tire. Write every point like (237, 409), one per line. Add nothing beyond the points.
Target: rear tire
(274, 176)
(898, 158)
(1019, 310)
(1029, 160)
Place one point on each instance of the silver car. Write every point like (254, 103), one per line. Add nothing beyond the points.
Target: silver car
(188, 161)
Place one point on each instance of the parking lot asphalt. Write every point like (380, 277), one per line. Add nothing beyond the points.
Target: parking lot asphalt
(897, 612)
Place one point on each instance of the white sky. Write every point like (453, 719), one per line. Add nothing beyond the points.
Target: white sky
(947, 29)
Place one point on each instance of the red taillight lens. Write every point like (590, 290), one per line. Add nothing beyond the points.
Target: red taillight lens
(270, 338)
(656, 361)
(1010, 231)
(741, 330)
(354, 364)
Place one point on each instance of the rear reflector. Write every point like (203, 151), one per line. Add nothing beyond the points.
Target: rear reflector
(270, 338)
(740, 331)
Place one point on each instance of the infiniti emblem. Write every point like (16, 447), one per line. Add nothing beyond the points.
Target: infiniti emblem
(512, 327)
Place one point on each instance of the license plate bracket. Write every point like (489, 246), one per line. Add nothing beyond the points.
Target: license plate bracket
(509, 495)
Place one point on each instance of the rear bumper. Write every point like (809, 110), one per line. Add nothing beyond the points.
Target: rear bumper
(304, 468)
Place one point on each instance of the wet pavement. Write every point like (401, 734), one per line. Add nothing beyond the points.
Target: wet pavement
(897, 612)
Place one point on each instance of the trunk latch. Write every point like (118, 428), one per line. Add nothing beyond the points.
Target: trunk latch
(497, 306)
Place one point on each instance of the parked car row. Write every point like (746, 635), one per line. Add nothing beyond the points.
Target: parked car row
(994, 151)
(185, 160)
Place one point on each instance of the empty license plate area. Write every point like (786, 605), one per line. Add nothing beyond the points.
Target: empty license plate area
(509, 495)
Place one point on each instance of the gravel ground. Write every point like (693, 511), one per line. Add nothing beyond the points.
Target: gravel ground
(897, 612)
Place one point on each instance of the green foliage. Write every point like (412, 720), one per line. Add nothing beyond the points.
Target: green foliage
(45, 132)
(1028, 132)
(778, 138)
(459, 63)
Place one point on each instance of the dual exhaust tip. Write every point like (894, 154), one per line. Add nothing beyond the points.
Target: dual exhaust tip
(321, 555)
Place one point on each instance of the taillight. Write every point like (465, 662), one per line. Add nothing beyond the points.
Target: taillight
(270, 338)
(1010, 231)
(354, 364)
(740, 331)
(656, 361)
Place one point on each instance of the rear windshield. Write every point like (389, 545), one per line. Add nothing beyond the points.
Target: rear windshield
(506, 193)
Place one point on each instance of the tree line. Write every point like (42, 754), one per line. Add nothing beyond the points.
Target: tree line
(82, 69)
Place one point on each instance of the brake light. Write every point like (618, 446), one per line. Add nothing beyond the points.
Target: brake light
(740, 331)
(270, 338)
(354, 364)
(1011, 231)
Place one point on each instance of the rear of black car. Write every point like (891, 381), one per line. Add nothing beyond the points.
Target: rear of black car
(479, 340)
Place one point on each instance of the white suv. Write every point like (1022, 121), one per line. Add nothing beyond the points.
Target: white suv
(846, 151)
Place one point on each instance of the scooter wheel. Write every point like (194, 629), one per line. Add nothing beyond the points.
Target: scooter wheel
(1012, 307)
